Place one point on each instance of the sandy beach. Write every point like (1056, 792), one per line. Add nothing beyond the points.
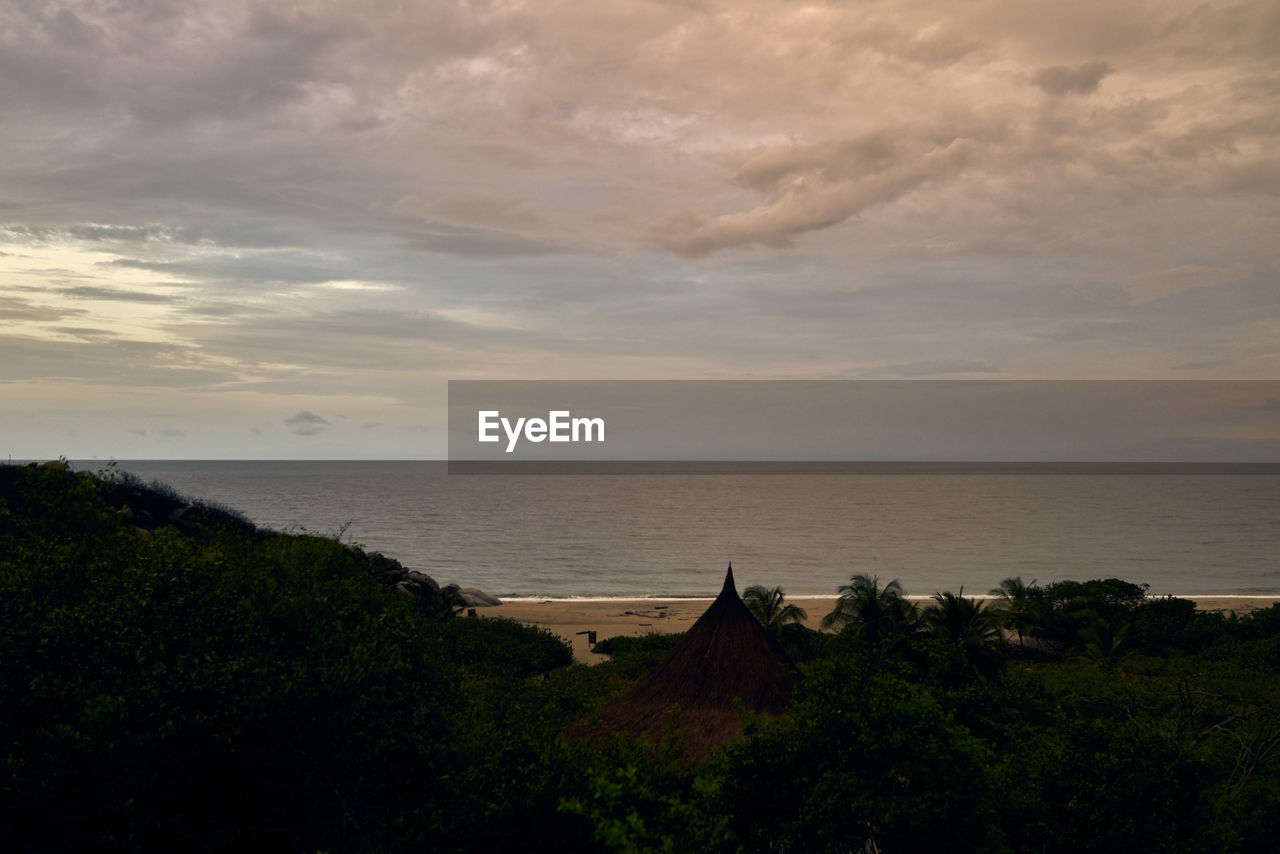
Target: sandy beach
(572, 618)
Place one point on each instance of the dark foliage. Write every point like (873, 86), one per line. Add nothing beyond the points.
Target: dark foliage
(184, 681)
(642, 646)
(496, 647)
(221, 692)
(865, 755)
(1067, 607)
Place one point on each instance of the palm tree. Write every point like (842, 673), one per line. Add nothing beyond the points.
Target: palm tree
(1017, 605)
(968, 625)
(871, 612)
(765, 604)
(1104, 642)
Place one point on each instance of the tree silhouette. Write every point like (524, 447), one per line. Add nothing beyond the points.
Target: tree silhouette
(1104, 642)
(969, 626)
(872, 612)
(766, 605)
(1017, 605)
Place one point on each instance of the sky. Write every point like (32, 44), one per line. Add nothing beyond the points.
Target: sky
(265, 231)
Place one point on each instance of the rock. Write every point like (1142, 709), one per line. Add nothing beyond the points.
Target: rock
(473, 598)
(56, 465)
(386, 570)
(392, 576)
(417, 588)
(412, 575)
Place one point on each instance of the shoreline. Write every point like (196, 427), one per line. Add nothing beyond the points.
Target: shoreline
(570, 619)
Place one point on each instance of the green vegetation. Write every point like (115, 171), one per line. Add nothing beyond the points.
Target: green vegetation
(173, 678)
(766, 605)
(872, 613)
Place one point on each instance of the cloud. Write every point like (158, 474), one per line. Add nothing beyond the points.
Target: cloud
(481, 243)
(1072, 80)
(127, 233)
(163, 432)
(96, 293)
(1157, 284)
(311, 204)
(288, 265)
(1203, 365)
(935, 368)
(90, 332)
(305, 423)
(17, 308)
(108, 361)
(481, 225)
(811, 188)
(477, 210)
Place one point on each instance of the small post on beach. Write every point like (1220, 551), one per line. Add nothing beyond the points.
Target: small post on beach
(591, 636)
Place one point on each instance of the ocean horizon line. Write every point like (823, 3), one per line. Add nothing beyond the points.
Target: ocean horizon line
(757, 467)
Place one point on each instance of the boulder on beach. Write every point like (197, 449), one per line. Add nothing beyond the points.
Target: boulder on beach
(415, 577)
(473, 598)
(388, 571)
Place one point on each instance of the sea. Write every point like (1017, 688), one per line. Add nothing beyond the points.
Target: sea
(556, 536)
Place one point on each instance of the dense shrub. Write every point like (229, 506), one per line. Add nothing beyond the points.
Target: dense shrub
(194, 683)
(866, 755)
(205, 693)
(500, 647)
(647, 649)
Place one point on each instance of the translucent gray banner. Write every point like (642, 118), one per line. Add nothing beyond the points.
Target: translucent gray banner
(785, 426)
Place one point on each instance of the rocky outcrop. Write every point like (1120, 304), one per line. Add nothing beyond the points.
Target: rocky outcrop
(473, 598)
(393, 577)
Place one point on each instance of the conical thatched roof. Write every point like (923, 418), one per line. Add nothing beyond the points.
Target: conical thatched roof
(725, 657)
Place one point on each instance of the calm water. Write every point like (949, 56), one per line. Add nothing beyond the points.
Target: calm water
(671, 535)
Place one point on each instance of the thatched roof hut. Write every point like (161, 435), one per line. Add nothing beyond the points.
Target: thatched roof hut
(726, 657)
